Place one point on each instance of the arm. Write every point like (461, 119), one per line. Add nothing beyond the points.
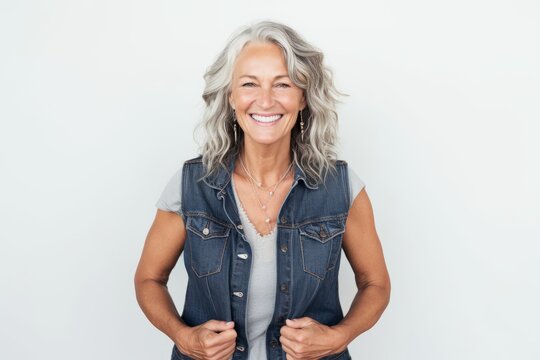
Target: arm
(163, 246)
(305, 338)
(364, 252)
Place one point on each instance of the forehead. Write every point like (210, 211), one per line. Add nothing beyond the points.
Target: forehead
(258, 55)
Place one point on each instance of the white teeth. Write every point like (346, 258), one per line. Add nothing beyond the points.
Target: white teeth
(266, 119)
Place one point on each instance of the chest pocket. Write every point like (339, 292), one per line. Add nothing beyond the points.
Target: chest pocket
(320, 242)
(207, 239)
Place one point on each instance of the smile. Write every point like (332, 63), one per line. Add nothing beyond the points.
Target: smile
(266, 119)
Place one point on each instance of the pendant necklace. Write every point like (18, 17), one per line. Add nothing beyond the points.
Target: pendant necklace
(257, 184)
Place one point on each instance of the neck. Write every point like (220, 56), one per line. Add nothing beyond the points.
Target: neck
(266, 163)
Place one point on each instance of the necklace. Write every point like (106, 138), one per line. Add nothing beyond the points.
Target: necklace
(255, 185)
(259, 183)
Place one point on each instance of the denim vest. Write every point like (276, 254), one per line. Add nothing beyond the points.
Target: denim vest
(217, 257)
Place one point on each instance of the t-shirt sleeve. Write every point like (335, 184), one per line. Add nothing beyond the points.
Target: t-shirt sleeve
(171, 197)
(355, 184)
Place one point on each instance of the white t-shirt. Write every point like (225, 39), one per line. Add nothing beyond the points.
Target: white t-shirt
(260, 297)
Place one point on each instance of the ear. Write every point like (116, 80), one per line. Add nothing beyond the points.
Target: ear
(303, 102)
(231, 101)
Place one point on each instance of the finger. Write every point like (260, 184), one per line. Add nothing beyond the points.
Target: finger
(300, 322)
(289, 354)
(288, 332)
(218, 339)
(222, 352)
(218, 325)
(226, 353)
(286, 342)
(290, 346)
(218, 352)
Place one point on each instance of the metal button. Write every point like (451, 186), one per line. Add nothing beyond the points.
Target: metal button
(240, 348)
(284, 248)
(243, 256)
(284, 287)
(240, 226)
(238, 293)
(322, 232)
(206, 231)
(283, 220)
(273, 343)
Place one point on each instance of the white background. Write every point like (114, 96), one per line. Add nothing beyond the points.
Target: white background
(98, 102)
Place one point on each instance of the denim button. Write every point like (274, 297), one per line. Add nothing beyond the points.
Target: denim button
(243, 256)
(206, 231)
(283, 219)
(238, 293)
(240, 226)
(284, 248)
(284, 287)
(240, 348)
(274, 343)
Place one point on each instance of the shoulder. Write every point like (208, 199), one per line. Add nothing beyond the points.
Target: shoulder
(194, 164)
(195, 160)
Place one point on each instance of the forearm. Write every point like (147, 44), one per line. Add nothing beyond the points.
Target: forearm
(156, 302)
(366, 309)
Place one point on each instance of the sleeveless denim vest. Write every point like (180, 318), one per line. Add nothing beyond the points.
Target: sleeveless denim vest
(217, 257)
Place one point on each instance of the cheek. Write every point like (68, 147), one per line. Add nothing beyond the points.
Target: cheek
(290, 101)
(244, 99)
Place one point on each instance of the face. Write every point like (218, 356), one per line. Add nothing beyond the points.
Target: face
(265, 99)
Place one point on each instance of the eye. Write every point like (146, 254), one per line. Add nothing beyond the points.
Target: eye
(248, 84)
(283, 85)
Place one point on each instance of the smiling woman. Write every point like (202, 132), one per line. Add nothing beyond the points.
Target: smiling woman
(263, 214)
(266, 103)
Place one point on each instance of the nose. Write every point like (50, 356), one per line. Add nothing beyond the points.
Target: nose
(265, 99)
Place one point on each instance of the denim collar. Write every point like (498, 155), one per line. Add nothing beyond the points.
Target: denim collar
(221, 178)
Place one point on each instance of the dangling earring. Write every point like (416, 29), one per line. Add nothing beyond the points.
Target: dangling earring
(234, 125)
(301, 126)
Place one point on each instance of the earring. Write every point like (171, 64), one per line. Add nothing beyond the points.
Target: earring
(302, 126)
(234, 125)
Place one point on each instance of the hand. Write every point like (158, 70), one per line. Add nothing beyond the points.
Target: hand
(306, 338)
(212, 340)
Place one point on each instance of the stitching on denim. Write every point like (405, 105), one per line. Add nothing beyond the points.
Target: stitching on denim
(220, 262)
(209, 217)
(211, 299)
(304, 261)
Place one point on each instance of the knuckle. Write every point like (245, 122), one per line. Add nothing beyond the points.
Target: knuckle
(210, 355)
(205, 343)
(299, 349)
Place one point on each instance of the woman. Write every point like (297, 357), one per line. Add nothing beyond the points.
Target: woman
(263, 214)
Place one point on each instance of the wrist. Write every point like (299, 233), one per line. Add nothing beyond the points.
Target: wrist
(180, 335)
(342, 337)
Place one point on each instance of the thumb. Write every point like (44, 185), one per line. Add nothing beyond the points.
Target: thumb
(299, 322)
(218, 325)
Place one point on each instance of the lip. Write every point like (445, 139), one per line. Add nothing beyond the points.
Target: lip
(262, 114)
(260, 123)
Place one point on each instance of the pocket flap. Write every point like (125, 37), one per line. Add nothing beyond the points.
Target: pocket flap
(207, 228)
(323, 230)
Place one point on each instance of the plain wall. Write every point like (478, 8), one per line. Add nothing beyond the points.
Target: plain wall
(98, 102)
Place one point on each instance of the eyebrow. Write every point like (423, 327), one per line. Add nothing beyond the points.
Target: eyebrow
(254, 77)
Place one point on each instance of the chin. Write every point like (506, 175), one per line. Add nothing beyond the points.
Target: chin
(266, 140)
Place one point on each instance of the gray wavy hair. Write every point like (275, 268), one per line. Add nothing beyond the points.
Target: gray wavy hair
(316, 155)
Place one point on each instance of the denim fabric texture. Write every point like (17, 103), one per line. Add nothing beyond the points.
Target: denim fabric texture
(310, 226)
